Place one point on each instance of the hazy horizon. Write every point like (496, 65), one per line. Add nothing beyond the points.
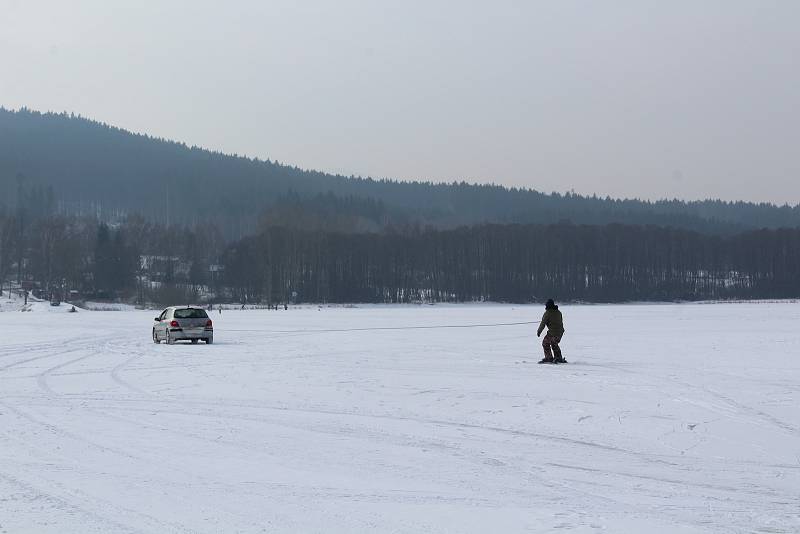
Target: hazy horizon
(630, 100)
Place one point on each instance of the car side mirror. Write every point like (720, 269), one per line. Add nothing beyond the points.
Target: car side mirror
(158, 320)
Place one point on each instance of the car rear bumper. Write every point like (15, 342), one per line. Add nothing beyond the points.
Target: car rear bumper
(191, 333)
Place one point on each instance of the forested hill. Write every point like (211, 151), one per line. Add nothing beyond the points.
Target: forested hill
(99, 169)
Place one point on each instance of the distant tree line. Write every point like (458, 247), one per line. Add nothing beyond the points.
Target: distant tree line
(95, 170)
(514, 263)
(140, 261)
(223, 228)
(135, 260)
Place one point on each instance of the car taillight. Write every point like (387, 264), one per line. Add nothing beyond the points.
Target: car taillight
(174, 324)
(209, 323)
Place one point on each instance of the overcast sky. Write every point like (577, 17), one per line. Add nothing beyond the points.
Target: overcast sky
(638, 98)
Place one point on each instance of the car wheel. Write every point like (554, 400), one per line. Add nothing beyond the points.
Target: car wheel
(209, 340)
(155, 337)
(170, 339)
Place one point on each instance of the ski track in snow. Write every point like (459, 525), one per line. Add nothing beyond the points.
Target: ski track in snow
(670, 418)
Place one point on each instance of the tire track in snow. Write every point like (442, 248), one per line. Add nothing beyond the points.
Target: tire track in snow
(36, 347)
(734, 408)
(60, 430)
(732, 490)
(41, 378)
(651, 458)
(89, 505)
(104, 449)
(772, 420)
(101, 523)
(420, 420)
(116, 371)
(471, 456)
(41, 356)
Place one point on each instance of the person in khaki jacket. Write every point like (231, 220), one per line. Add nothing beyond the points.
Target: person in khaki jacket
(555, 331)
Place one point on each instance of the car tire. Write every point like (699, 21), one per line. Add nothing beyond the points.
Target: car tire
(170, 339)
(155, 337)
(209, 340)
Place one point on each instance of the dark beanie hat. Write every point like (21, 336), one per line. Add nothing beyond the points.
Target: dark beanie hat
(550, 304)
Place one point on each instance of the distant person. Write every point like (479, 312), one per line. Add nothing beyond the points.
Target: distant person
(555, 331)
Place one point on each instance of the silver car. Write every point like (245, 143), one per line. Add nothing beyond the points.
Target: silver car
(176, 323)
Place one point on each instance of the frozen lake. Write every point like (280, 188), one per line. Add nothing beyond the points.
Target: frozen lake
(669, 418)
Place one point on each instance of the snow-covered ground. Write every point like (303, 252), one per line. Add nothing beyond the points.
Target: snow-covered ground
(669, 418)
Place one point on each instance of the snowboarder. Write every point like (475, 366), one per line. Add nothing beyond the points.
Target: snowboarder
(555, 331)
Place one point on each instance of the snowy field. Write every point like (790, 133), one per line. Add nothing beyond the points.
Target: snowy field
(668, 419)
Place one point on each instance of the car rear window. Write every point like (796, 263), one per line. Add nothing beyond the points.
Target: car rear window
(190, 313)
